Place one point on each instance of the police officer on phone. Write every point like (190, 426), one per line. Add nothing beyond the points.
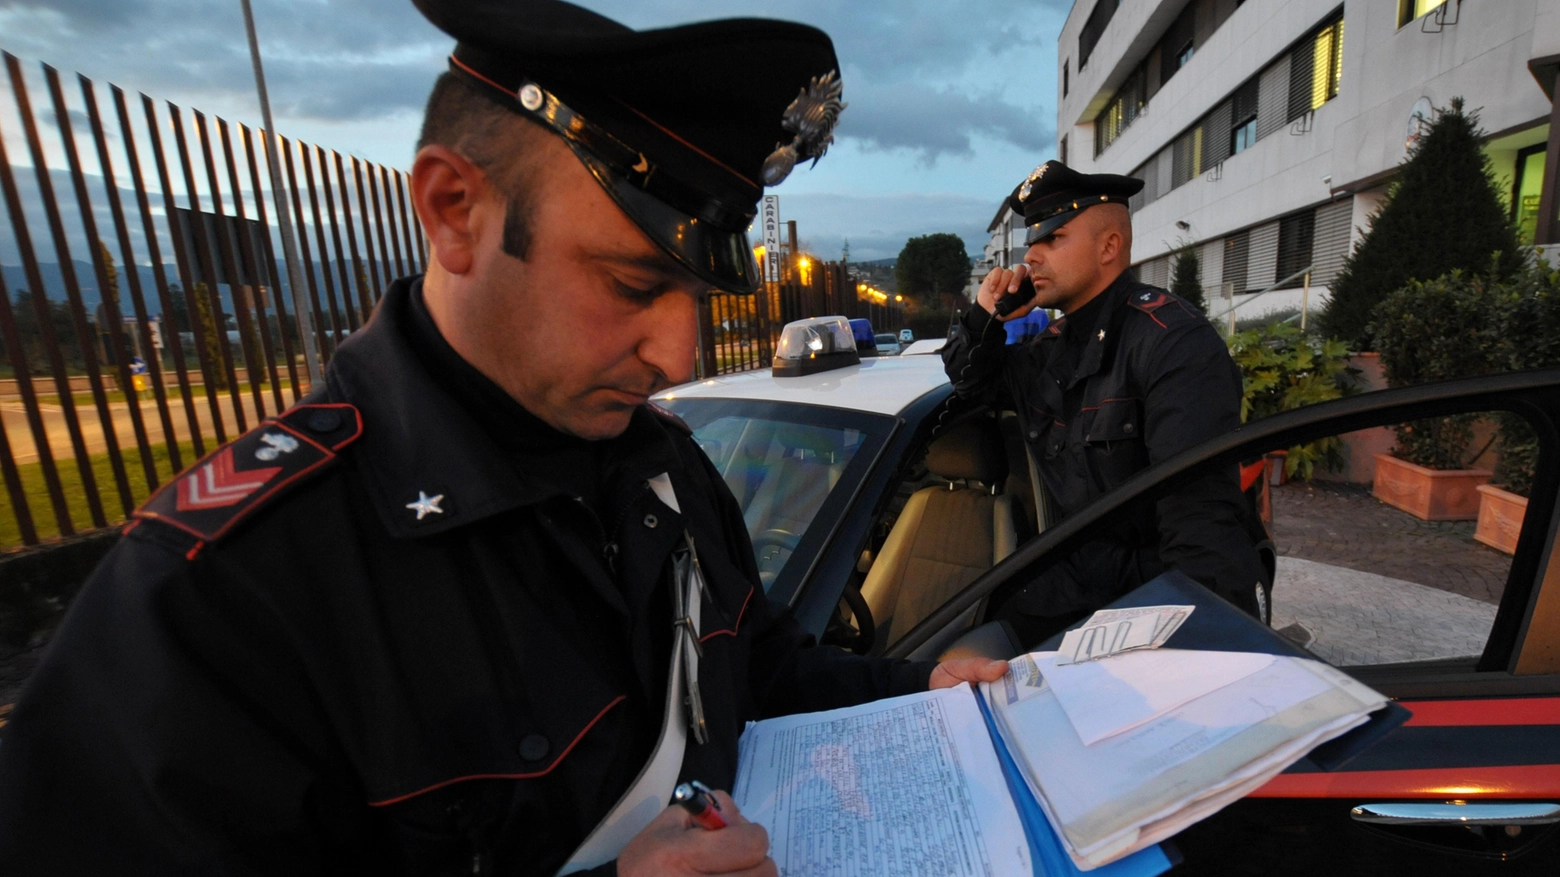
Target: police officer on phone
(1129, 376)
(475, 606)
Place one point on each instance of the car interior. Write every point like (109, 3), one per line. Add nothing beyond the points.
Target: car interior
(965, 502)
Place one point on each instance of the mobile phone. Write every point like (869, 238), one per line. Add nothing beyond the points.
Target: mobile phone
(1015, 300)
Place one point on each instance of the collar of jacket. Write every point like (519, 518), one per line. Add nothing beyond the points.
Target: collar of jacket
(1097, 346)
(418, 441)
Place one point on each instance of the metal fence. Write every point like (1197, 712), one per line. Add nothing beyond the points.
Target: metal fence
(164, 324)
(161, 215)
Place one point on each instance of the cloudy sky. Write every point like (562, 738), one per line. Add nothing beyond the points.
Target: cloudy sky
(950, 102)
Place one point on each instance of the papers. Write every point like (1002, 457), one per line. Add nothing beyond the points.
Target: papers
(907, 785)
(1151, 777)
(1113, 631)
(1106, 697)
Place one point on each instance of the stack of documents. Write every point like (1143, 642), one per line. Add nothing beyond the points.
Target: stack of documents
(1125, 751)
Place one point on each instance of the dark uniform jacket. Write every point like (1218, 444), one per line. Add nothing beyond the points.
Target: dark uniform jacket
(284, 668)
(1132, 378)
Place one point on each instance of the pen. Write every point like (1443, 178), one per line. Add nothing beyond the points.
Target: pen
(695, 797)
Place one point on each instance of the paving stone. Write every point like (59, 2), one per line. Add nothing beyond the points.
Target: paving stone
(1374, 585)
(1343, 525)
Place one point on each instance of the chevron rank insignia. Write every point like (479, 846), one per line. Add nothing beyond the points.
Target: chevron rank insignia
(208, 498)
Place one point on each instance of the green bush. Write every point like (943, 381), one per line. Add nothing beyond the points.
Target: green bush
(1436, 330)
(1444, 212)
(1284, 369)
(1527, 328)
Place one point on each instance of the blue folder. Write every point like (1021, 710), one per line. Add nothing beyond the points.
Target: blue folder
(1045, 848)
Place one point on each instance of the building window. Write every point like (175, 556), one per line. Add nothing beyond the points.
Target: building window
(1314, 69)
(1526, 187)
(1177, 45)
(1122, 110)
(1408, 10)
(1295, 236)
(1244, 135)
(1064, 79)
(1063, 150)
(1093, 28)
(1243, 116)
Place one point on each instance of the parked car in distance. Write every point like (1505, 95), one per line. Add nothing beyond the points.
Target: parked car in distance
(906, 336)
(887, 344)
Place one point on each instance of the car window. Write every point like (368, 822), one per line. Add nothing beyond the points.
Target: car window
(1382, 559)
(1372, 559)
(790, 467)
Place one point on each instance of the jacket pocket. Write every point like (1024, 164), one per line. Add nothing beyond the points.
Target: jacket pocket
(1116, 420)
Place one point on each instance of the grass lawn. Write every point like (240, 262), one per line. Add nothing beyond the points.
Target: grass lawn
(37, 492)
(175, 399)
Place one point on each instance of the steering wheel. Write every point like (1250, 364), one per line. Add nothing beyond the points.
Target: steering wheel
(782, 539)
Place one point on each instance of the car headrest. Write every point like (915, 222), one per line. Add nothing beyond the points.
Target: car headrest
(969, 450)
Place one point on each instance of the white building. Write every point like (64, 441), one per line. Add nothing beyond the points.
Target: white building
(1267, 130)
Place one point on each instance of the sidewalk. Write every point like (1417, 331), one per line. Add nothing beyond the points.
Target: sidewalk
(1372, 585)
(1343, 525)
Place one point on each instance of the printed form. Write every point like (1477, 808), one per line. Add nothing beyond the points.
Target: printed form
(904, 786)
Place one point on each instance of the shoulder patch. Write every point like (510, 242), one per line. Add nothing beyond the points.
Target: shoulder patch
(669, 418)
(1150, 301)
(222, 488)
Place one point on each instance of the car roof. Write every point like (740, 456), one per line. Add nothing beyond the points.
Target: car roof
(882, 385)
(925, 345)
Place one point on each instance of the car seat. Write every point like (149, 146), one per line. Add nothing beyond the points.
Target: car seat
(948, 534)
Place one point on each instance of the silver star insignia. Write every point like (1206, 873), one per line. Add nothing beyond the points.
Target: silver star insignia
(1102, 334)
(426, 505)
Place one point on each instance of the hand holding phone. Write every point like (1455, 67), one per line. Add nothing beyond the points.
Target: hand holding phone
(1011, 302)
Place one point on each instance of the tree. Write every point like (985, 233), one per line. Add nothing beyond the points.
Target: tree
(1443, 213)
(932, 266)
(1185, 283)
(208, 339)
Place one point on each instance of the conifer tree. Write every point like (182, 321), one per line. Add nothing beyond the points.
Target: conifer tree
(1442, 213)
(1184, 282)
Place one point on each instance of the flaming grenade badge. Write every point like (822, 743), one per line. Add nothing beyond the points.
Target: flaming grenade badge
(811, 117)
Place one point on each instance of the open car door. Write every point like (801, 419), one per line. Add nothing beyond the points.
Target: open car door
(1464, 637)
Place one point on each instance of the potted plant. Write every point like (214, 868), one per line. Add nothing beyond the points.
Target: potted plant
(1529, 331)
(1282, 368)
(1430, 331)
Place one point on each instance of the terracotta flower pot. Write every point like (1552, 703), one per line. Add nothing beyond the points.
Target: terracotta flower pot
(1500, 518)
(1428, 494)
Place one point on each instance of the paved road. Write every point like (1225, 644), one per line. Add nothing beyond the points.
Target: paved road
(1374, 585)
(14, 418)
(1363, 618)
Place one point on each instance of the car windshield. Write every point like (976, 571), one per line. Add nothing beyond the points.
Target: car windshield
(792, 468)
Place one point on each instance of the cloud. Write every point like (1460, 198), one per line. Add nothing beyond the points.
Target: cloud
(921, 75)
(877, 226)
(934, 122)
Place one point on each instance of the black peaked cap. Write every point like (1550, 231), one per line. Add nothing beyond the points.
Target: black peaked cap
(1054, 193)
(678, 122)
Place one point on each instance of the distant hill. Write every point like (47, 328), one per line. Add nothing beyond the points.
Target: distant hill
(879, 263)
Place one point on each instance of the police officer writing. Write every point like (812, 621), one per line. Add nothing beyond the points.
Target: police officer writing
(1129, 376)
(474, 607)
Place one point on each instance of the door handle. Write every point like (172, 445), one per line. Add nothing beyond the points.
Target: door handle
(1443, 813)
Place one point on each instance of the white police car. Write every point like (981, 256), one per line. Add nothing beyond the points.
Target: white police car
(893, 518)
